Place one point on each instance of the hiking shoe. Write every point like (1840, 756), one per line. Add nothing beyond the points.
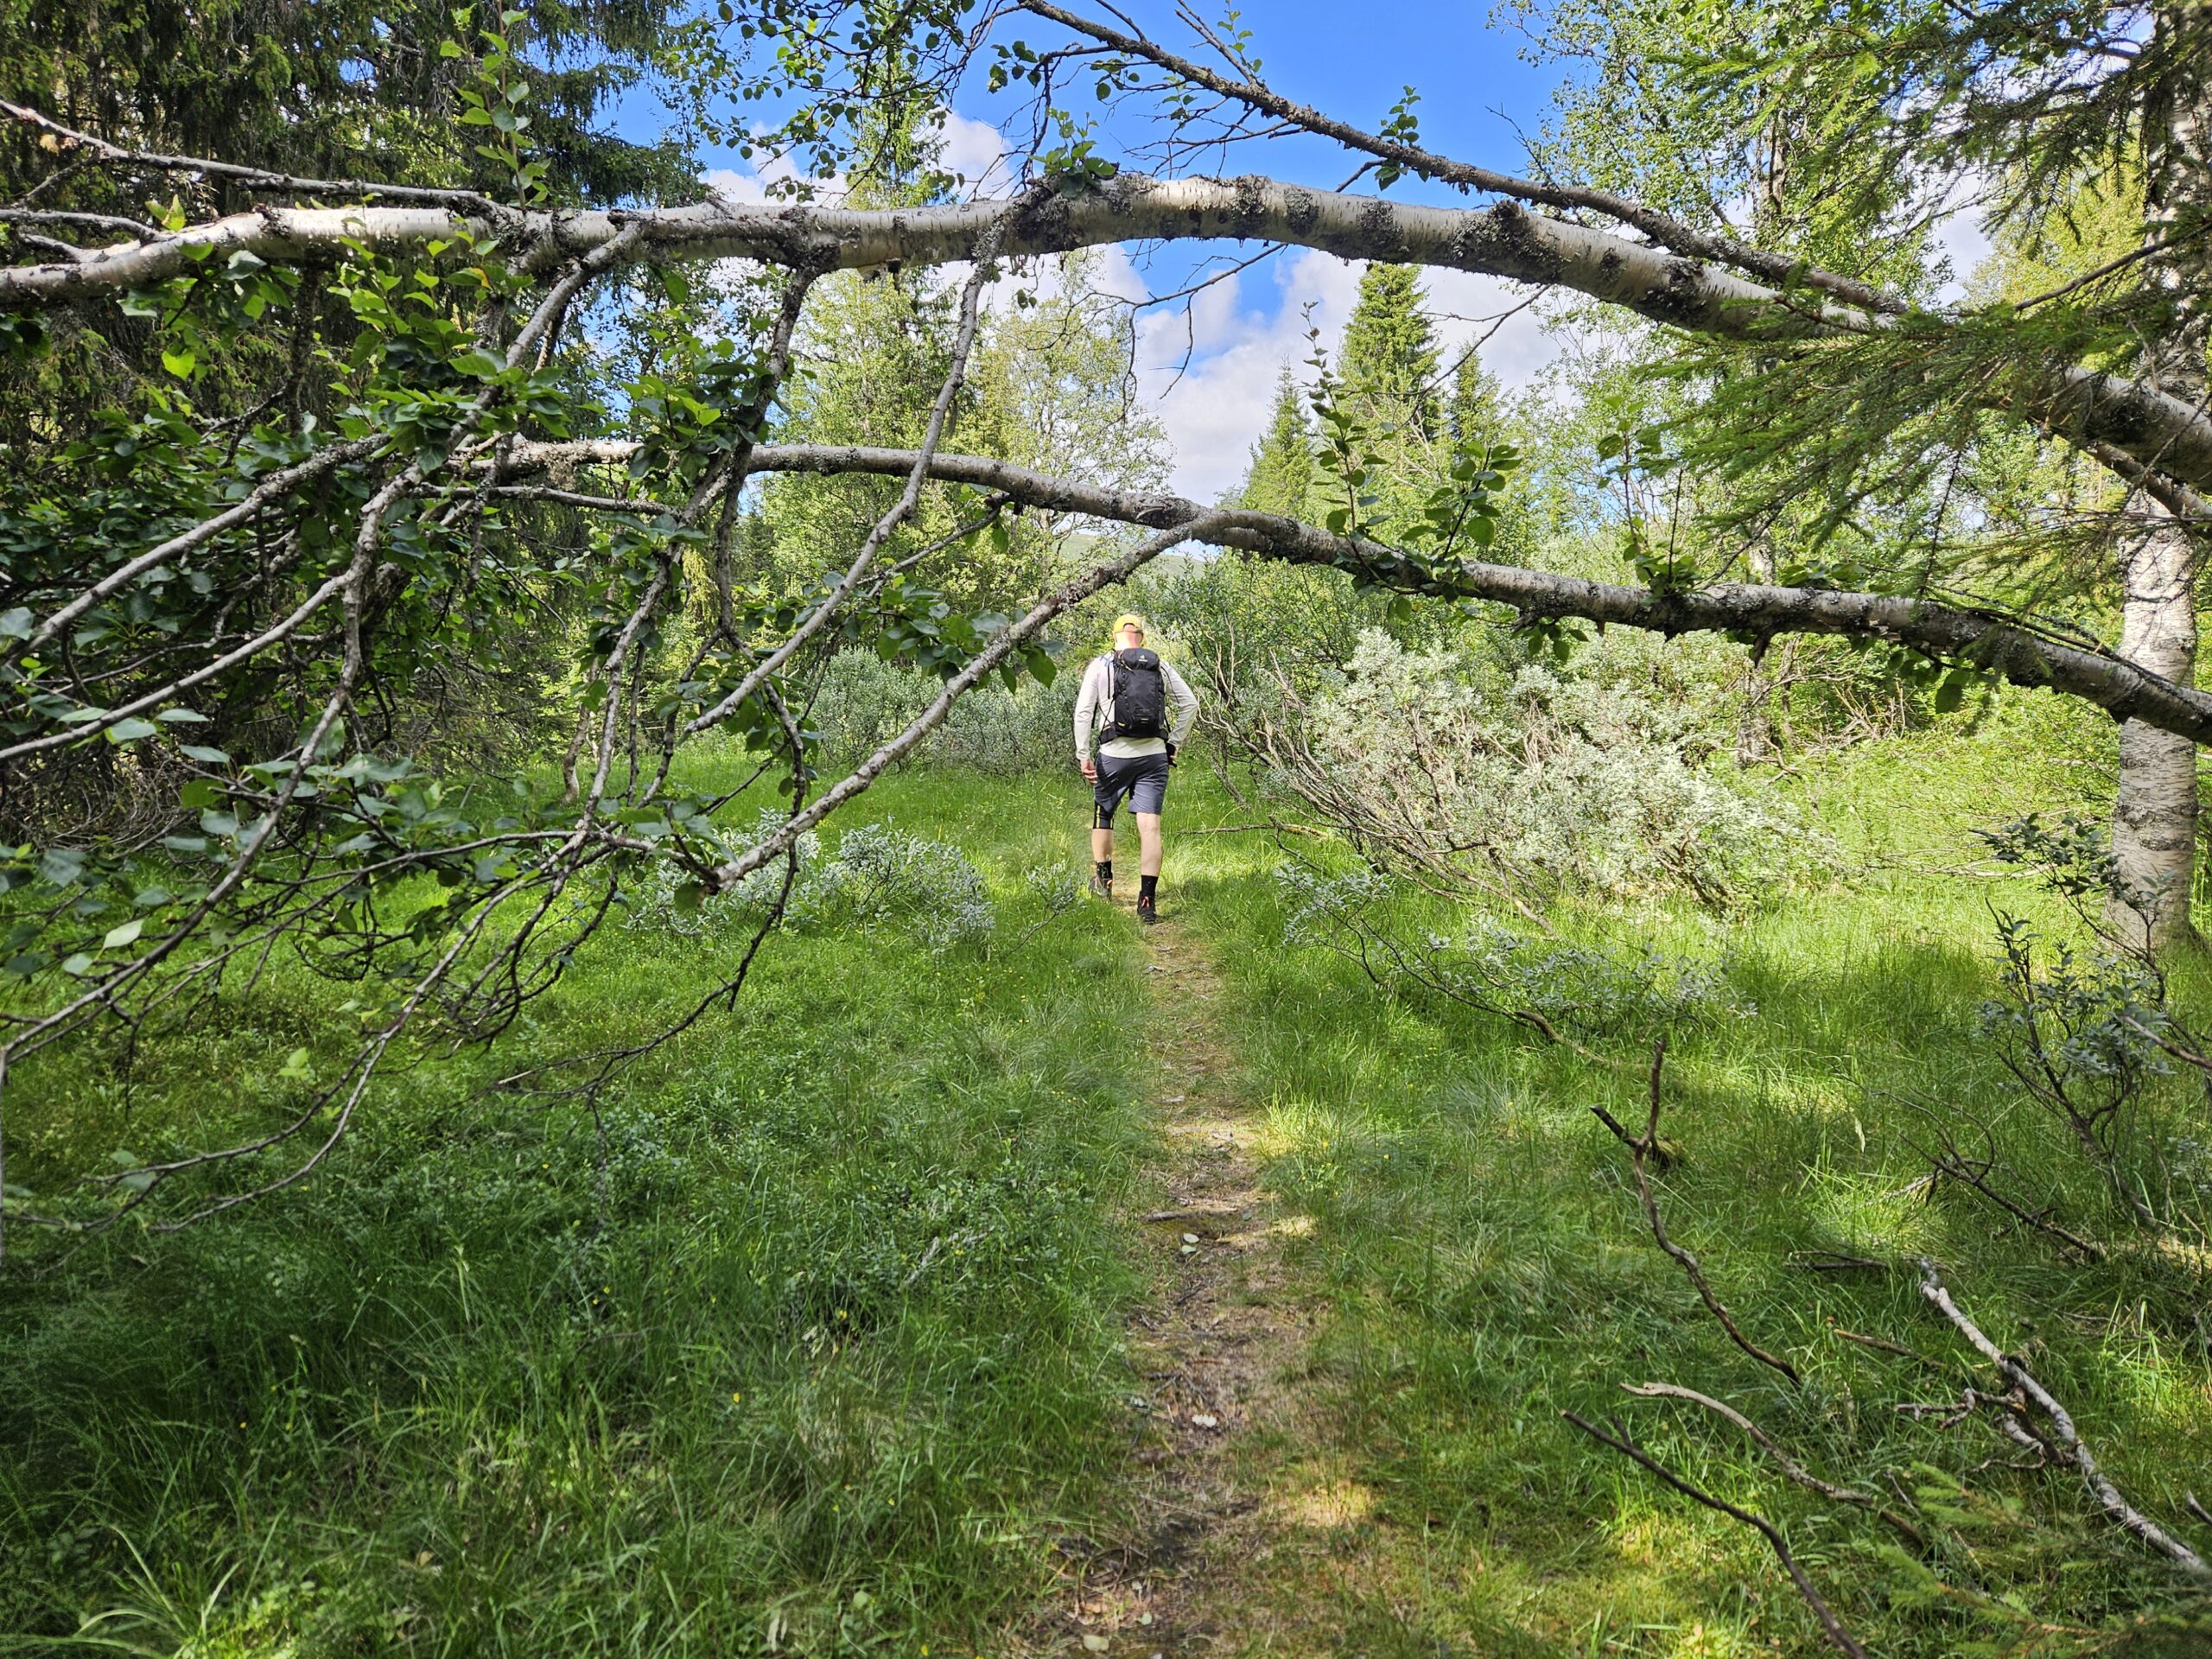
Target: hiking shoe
(1102, 885)
(1147, 912)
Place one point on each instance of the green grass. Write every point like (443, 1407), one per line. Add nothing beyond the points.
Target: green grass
(805, 1341)
(810, 1340)
(1479, 1248)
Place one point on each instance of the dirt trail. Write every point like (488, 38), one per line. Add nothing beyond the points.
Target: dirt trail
(1227, 1513)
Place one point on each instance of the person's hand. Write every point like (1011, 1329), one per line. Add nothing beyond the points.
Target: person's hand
(1171, 754)
(1089, 769)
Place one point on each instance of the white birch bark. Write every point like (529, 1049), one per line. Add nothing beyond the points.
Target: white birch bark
(2155, 815)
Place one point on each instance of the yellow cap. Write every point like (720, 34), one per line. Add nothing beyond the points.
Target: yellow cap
(1129, 619)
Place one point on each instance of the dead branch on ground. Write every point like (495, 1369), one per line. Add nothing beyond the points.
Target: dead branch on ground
(2063, 1437)
(1642, 1150)
(1789, 1465)
(1842, 1639)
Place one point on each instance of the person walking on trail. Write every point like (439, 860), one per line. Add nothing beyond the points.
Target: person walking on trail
(1124, 699)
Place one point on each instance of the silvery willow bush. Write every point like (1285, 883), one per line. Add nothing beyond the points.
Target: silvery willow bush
(883, 878)
(1525, 781)
(1552, 986)
(863, 702)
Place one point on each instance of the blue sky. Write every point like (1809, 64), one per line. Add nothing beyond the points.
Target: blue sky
(1209, 366)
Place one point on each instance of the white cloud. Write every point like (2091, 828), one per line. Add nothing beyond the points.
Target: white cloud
(734, 185)
(977, 152)
(1963, 238)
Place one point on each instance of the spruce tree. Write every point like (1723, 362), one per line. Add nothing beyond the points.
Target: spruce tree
(1281, 473)
(1388, 362)
(1477, 412)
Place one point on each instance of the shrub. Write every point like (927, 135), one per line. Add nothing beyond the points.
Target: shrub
(863, 702)
(660, 901)
(884, 879)
(1549, 985)
(1523, 780)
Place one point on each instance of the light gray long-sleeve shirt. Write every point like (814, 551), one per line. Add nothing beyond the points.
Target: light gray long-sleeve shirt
(1094, 708)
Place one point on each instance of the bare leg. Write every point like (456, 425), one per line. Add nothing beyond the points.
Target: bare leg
(1147, 843)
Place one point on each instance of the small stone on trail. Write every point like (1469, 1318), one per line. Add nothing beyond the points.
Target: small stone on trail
(1189, 1238)
(1201, 1420)
(1095, 1643)
(1190, 1250)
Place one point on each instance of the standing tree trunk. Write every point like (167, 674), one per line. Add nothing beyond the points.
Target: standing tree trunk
(2154, 820)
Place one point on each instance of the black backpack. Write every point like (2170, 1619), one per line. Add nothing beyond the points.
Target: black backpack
(1137, 692)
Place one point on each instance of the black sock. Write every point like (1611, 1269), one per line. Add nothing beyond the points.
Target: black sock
(1145, 885)
(1105, 869)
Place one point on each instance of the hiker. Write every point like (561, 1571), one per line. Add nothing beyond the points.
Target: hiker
(1125, 694)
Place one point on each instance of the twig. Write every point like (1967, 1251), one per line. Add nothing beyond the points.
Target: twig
(923, 1266)
(1272, 828)
(1842, 1639)
(2068, 1442)
(1886, 1345)
(1837, 1262)
(1789, 1465)
(1641, 1150)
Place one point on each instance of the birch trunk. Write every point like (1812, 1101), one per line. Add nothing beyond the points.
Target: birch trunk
(2155, 817)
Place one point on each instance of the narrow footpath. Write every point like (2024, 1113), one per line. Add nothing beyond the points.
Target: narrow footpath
(1232, 1537)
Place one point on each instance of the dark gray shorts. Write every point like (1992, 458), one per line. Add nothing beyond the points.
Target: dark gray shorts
(1141, 777)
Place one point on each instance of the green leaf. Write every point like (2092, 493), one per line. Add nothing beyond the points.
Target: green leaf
(127, 933)
(131, 730)
(179, 362)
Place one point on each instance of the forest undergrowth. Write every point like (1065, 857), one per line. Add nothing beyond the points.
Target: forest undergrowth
(810, 1338)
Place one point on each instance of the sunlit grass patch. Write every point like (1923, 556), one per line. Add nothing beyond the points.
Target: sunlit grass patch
(1487, 1263)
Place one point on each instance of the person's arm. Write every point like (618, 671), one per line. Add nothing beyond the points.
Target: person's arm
(1086, 712)
(1186, 706)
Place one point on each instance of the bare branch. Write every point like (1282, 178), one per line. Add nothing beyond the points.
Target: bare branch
(1830, 1625)
(1640, 1149)
(2136, 417)
(2067, 1439)
(1666, 231)
(100, 150)
(1789, 1465)
(2008, 647)
(963, 342)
